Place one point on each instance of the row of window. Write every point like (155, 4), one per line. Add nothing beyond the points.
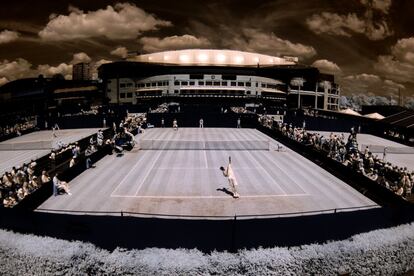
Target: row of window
(200, 83)
(213, 83)
(142, 85)
(125, 95)
(193, 91)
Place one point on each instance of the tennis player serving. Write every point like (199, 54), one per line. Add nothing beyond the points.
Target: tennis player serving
(228, 172)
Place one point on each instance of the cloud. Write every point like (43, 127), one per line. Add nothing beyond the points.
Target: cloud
(403, 50)
(369, 84)
(395, 85)
(155, 44)
(7, 36)
(19, 68)
(120, 52)
(326, 66)
(121, 21)
(365, 78)
(380, 5)
(346, 25)
(3, 80)
(80, 57)
(254, 40)
(49, 71)
(398, 66)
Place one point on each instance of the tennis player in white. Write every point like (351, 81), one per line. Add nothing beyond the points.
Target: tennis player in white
(228, 172)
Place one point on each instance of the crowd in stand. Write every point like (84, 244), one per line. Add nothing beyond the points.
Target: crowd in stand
(162, 108)
(19, 182)
(345, 150)
(16, 129)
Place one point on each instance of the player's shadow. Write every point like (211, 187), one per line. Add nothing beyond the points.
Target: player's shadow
(225, 190)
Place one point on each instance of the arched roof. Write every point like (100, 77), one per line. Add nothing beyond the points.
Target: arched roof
(214, 57)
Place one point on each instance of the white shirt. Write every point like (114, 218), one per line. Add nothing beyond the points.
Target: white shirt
(230, 174)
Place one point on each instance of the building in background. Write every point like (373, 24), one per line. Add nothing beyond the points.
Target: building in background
(48, 95)
(218, 77)
(81, 71)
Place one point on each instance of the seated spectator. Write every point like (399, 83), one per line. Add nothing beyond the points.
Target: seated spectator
(72, 161)
(59, 185)
(45, 177)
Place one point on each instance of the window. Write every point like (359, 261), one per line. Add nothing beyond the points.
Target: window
(233, 83)
(248, 93)
(228, 77)
(176, 91)
(148, 84)
(153, 84)
(201, 83)
(176, 83)
(159, 83)
(165, 83)
(240, 83)
(196, 76)
(263, 85)
(184, 83)
(248, 84)
(129, 95)
(192, 82)
(122, 85)
(209, 83)
(129, 85)
(216, 83)
(122, 95)
(224, 83)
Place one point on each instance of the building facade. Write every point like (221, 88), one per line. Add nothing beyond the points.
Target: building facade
(221, 75)
(81, 71)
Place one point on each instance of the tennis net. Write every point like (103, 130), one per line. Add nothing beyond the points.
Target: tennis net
(204, 145)
(390, 150)
(32, 145)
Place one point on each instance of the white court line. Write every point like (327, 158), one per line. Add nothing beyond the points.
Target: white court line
(205, 158)
(209, 197)
(253, 158)
(148, 172)
(285, 172)
(127, 175)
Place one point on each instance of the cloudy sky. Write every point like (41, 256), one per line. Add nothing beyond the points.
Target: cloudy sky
(367, 44)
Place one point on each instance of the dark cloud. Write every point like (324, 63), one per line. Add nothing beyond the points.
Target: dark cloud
(121, 21)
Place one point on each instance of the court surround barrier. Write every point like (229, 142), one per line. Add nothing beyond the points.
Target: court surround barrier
(207, 234)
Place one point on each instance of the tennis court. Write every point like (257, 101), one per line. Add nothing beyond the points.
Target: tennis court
(397, 154)
(14, 152)
(189, 183)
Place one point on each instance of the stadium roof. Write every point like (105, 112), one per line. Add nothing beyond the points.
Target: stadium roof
(404, 119)
(214, 57)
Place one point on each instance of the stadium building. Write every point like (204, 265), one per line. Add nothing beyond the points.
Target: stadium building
(218, 76)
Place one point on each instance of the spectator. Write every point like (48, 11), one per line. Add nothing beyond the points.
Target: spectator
(45, 177)
(72, 162)
(59, 185)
